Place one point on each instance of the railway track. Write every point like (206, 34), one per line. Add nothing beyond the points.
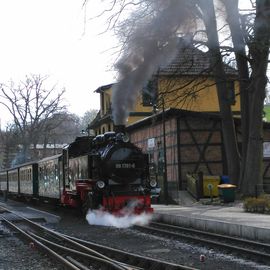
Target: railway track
(74, 253)
(242, 247)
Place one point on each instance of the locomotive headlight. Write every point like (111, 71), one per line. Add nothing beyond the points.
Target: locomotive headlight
(100, 184)
(125, 138)
(153, 183)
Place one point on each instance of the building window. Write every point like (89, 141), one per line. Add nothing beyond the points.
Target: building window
(149, 93)
(231, 92)
(108, 107)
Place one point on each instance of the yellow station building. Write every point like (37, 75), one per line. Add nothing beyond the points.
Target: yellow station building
(186, 83)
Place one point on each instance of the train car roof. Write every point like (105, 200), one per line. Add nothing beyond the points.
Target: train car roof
(30, 163)
(20, 165)
(50, 158)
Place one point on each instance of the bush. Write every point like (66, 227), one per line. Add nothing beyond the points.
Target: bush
(258, 205)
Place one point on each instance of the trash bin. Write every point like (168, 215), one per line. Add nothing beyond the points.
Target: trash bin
(225, 179)
(227, 192)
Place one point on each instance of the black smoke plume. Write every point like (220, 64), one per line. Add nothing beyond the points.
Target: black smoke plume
(152, 39)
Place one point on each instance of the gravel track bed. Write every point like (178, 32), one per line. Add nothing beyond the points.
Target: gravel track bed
(130, 240)
(16, 254)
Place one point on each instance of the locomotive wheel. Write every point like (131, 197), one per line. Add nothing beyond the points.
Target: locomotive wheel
(88, 204)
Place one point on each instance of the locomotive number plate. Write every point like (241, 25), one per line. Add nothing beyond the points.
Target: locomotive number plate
(125, 165)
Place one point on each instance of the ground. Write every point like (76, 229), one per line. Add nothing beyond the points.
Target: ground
(15, 254)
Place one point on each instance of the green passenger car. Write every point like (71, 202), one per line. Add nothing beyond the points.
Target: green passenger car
(49, 177)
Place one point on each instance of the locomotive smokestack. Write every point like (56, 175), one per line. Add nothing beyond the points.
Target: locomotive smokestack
(120, 129)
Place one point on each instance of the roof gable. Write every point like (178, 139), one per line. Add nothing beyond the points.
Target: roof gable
(192, 61)
(103, 88)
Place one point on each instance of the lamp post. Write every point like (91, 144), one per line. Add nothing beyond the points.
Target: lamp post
(165, 180)
(164, 161)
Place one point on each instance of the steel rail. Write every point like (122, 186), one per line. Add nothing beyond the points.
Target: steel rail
(206, 241)
(62, 236)
(220, 236)
(162, 264)
(78, 264)
(115, 264)
(82, 254)
(54, 254)
(80, 244)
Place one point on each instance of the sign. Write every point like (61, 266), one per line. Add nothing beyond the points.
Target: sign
(125, 166)
(266, 149)
(151, 143)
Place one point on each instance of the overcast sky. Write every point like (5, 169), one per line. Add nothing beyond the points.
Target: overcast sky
(57, 38)
(54, 37)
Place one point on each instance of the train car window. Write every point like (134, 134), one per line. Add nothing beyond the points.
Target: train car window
(56, 171)
(83, 167)
(41, 172)
(30, 173)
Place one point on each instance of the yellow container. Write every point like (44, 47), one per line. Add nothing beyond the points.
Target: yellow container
(210, 185)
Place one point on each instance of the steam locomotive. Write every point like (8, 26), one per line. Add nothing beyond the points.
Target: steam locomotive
(106, 171)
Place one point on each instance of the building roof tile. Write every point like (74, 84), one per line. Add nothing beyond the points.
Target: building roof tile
(192, 61)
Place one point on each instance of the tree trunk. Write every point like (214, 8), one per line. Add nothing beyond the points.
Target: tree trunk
(259, 51)
(228, 129)
(233, 19)
(253, 180)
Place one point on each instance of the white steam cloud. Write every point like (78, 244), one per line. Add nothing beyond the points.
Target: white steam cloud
(99, 217)
(150, 38)
(125, 219)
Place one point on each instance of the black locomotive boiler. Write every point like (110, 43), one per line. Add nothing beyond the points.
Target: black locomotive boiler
(104, 172)
(109, 172)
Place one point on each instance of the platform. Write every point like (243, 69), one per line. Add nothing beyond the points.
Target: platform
(230, 220)
(28, 212)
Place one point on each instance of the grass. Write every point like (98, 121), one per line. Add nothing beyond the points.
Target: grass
(258, 205)
(267, 112)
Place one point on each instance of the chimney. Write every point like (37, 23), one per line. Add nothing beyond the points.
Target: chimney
(120, 129)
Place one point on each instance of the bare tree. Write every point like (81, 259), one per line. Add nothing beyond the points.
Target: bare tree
(31, 104)
(87, 118)
(151, 30)
(207, 13)
(61, 128)
(9, 145)
(251, 39)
